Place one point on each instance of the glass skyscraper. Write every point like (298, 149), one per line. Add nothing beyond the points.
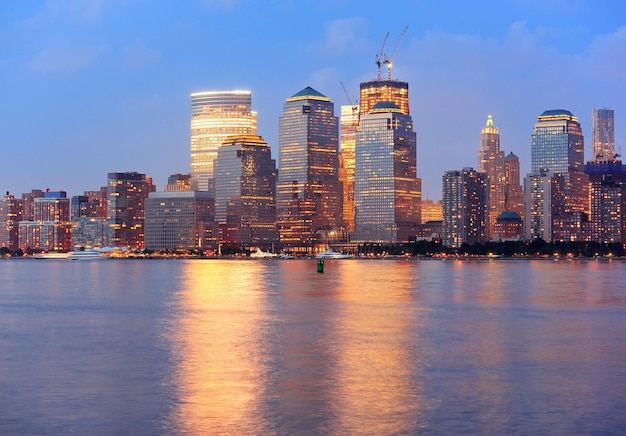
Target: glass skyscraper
(558, 146)
(349, 126)
(245, 193)
(215, 116)
(387, 190)
(308, 192)
(603, 134)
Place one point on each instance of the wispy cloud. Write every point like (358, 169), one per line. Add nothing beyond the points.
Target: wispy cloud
(139, 54)
(342, 36)
(66, 56)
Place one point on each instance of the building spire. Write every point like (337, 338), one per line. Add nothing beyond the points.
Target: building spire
(489, 121)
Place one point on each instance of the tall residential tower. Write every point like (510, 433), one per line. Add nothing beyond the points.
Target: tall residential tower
(603, 134)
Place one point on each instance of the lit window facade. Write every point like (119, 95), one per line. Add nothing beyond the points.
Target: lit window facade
(465, 212)
(179, 220)
(11, 213)
(608, 200)
(216, 115)
(513, 191)
(558, 146)
(378, 90)
(387, 190)
(127, 193)
(491, 161)
(349, 126)
(603, 134)
(308, 192)
(544, 200)
(50, 229)
(245, 193)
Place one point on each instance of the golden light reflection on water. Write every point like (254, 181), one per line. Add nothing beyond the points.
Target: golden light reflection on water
(217, 347)
(378, 376)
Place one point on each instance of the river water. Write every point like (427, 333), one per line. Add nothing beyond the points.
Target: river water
(273, 347)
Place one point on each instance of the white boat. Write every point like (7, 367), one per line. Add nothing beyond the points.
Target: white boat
(51, 255)
(85, 255)
(330, 254)
(260, 254)
(286, 256)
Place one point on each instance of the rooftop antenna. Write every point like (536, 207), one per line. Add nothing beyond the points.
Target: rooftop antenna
(387, 60)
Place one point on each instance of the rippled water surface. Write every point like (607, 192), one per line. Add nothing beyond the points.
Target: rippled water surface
(273, 347)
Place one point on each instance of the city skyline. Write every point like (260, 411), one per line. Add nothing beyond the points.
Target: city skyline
(88, 90)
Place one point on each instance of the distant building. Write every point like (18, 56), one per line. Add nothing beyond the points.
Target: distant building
(11, 214)
(245, 192)
(387, 190)
(603, 134)
(51, 228)
(508, 227)
(431, 210)
(349, 125)
(558, 146)
(29, 203)
(465, 197)
(178, 182)
(513, 191)
(180, 220)
(491, 161)
(544, 200)
(308, 192)
(608, 200)
(127, 193)
(378, 90)
(216, 115)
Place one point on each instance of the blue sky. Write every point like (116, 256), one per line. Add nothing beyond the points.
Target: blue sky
(96, 86)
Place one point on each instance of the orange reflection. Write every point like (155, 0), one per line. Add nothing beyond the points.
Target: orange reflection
(377, 377)
(217, 343)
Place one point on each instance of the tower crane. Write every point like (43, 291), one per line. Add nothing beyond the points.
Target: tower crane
(380, 55)
(354, 106)
(387, 60)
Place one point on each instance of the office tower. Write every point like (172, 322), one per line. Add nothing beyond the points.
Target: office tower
(215, 116)
(11, 213)
(180, 220)
(50, 229)
(608, 200)
(558, 146)
(127, 193)
(513, 191)
(544, 199)
(349, 126)
(603, 134)
(245, 193)
(308, 192)
(378, 90)
(387, 192)
(465, 209)
(491, 161)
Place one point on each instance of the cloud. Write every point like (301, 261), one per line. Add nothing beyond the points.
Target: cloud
(66, 56)
(139, 54)
(342, 36)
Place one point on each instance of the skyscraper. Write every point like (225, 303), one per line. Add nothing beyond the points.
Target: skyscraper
(603, 134)
(127, 193)
(387, 190)
(377, 90)
(349, 126)
(464, 207)
(216, 115)
(50, 228)
(245, 192)
(513, 191)
(491, 161)
(558, 146)
(308, 193)
(608, 200)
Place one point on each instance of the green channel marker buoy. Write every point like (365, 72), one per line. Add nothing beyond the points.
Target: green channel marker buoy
(320, 266)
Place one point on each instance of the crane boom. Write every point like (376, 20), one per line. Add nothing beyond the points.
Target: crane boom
(380, 55)
(387, 60)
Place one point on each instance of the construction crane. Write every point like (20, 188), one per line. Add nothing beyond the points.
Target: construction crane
(354, 106)
(387, 60)
(380, 55)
